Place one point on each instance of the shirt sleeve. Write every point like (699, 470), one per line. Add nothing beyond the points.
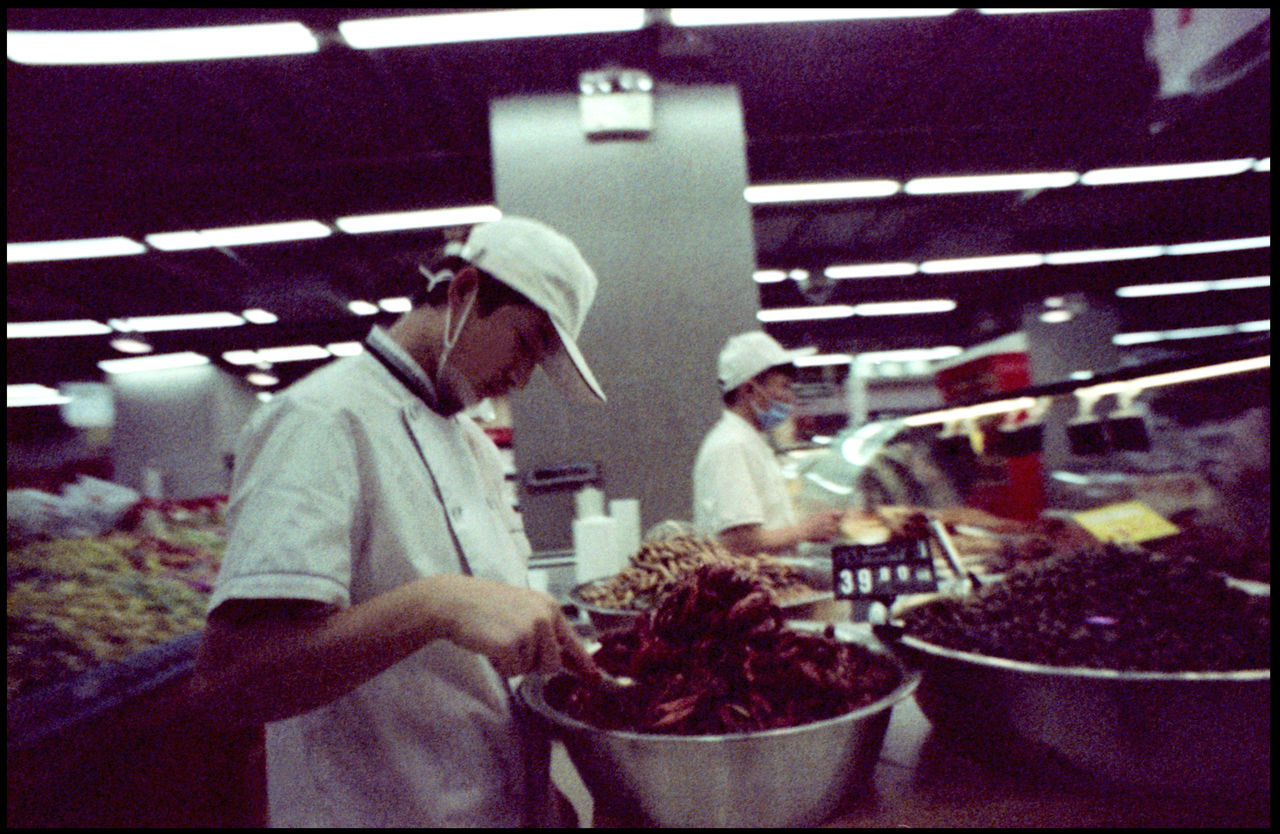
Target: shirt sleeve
(725, 490)
(292, 514)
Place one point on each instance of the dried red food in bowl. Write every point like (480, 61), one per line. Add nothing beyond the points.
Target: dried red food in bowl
(714, 657)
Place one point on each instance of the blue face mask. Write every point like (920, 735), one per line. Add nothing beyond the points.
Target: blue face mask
(773, 416)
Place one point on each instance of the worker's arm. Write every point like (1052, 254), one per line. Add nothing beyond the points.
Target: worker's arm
(264, 660)
(755, 538)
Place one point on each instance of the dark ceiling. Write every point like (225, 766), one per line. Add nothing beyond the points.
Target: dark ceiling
(132, 150)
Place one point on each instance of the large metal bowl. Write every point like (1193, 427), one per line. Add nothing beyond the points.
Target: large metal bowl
(784, 777)
(1204, 731)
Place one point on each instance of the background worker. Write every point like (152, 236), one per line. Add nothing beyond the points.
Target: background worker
(739, 493)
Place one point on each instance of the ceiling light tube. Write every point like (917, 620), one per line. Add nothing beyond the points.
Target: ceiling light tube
(153, 363)
(186, 321)
(1039, 11)
(345, 348)
(982, 263)
(823, 359)
(21, 396)
(735, 17)
(416, 30)
(400, 304)
(238, 235)
(1263, 165)
(240, 357)
(816, 191)
(871, 270)
(991, 182)
(154, 45)
(970, 412)
(1207, 246)
(1160, 173)
(831, 311)
(424, 219)
(48, 329)
(1179, 288)
(68, 250)
(292, 353)
(1085, 256)
(1254, 326)
(905, 308)
(1173, 377)
(1251, 283)
(259, 316)
(769, 276)
(362, 308)
(127, 344)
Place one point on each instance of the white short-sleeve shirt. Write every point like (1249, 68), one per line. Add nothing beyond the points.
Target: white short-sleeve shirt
(347, 485)
(736, 480)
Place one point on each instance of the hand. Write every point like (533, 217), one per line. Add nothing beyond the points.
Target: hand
(822, 526)
(518, 629)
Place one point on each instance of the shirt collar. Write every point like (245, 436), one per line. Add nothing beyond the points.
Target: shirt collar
(402, 366)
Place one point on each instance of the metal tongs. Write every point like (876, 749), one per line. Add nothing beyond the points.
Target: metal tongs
(939, 530)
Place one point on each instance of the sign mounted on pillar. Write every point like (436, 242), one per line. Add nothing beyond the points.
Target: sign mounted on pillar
(616, 104)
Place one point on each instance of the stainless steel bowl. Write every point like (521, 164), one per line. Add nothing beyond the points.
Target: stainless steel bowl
(1206, 731)
(783, 777)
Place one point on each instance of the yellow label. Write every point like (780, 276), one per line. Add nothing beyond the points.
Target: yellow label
(1127, 521)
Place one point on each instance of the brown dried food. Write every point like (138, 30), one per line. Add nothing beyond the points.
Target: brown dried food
(714, 658)
(1109, 607)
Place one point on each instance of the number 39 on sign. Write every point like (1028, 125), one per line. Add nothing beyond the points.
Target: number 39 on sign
(879, 570)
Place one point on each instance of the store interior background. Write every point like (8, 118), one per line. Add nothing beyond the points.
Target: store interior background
(684, 254)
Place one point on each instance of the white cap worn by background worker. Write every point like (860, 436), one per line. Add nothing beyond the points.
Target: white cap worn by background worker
(545, 267)
(749, 354)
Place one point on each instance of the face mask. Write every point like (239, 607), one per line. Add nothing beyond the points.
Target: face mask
(454, 389)
(772, 416)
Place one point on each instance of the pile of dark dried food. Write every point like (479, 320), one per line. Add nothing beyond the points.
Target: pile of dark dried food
(1111, 607)
(714, 657)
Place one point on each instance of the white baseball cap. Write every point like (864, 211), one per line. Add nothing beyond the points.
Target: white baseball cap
(747, 355)
(546, 268)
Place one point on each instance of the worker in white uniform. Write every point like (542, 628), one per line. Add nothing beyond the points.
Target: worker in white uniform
(373, 600)
(739, 493)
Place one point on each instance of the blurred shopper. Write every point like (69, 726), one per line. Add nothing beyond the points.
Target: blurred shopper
(374, 596)
(739, 493)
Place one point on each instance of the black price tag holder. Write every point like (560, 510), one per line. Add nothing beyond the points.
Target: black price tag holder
(882, 571)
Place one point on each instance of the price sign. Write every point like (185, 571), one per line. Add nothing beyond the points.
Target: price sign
(902, 566)
(1127, 521)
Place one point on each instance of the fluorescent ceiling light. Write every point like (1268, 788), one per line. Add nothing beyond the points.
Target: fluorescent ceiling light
(1085, 256)
(981, 263)
(991, 182)
(769, 276)
(1159, 173)
(813, 191)
(362, 308)
(413, 30)
(733, 17)
(265, 396)
(871, 270)
(823, 359)
(1263, 165)
(1218, 246)
(425, 219)
(292, 353)
(970, 412)
(400, 304)
(240, 357)
(125, 344)
(261, 378)
(21, 396)
(910, 354)
(258, 316)
(1148, 336)
(67, 250)
(1173, 377)
(238, 235)
(1137, 338)
(45, 329)
(905, 308)
(1182, 287)
(345, 348)
(1254, 326)
(153, 363)
(186, 321)
(832, 311)
(1039, 11)
(151, 45)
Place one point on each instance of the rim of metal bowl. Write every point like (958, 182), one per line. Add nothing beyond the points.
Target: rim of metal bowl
(1027, 667)
(575, 598)
(533, 689)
